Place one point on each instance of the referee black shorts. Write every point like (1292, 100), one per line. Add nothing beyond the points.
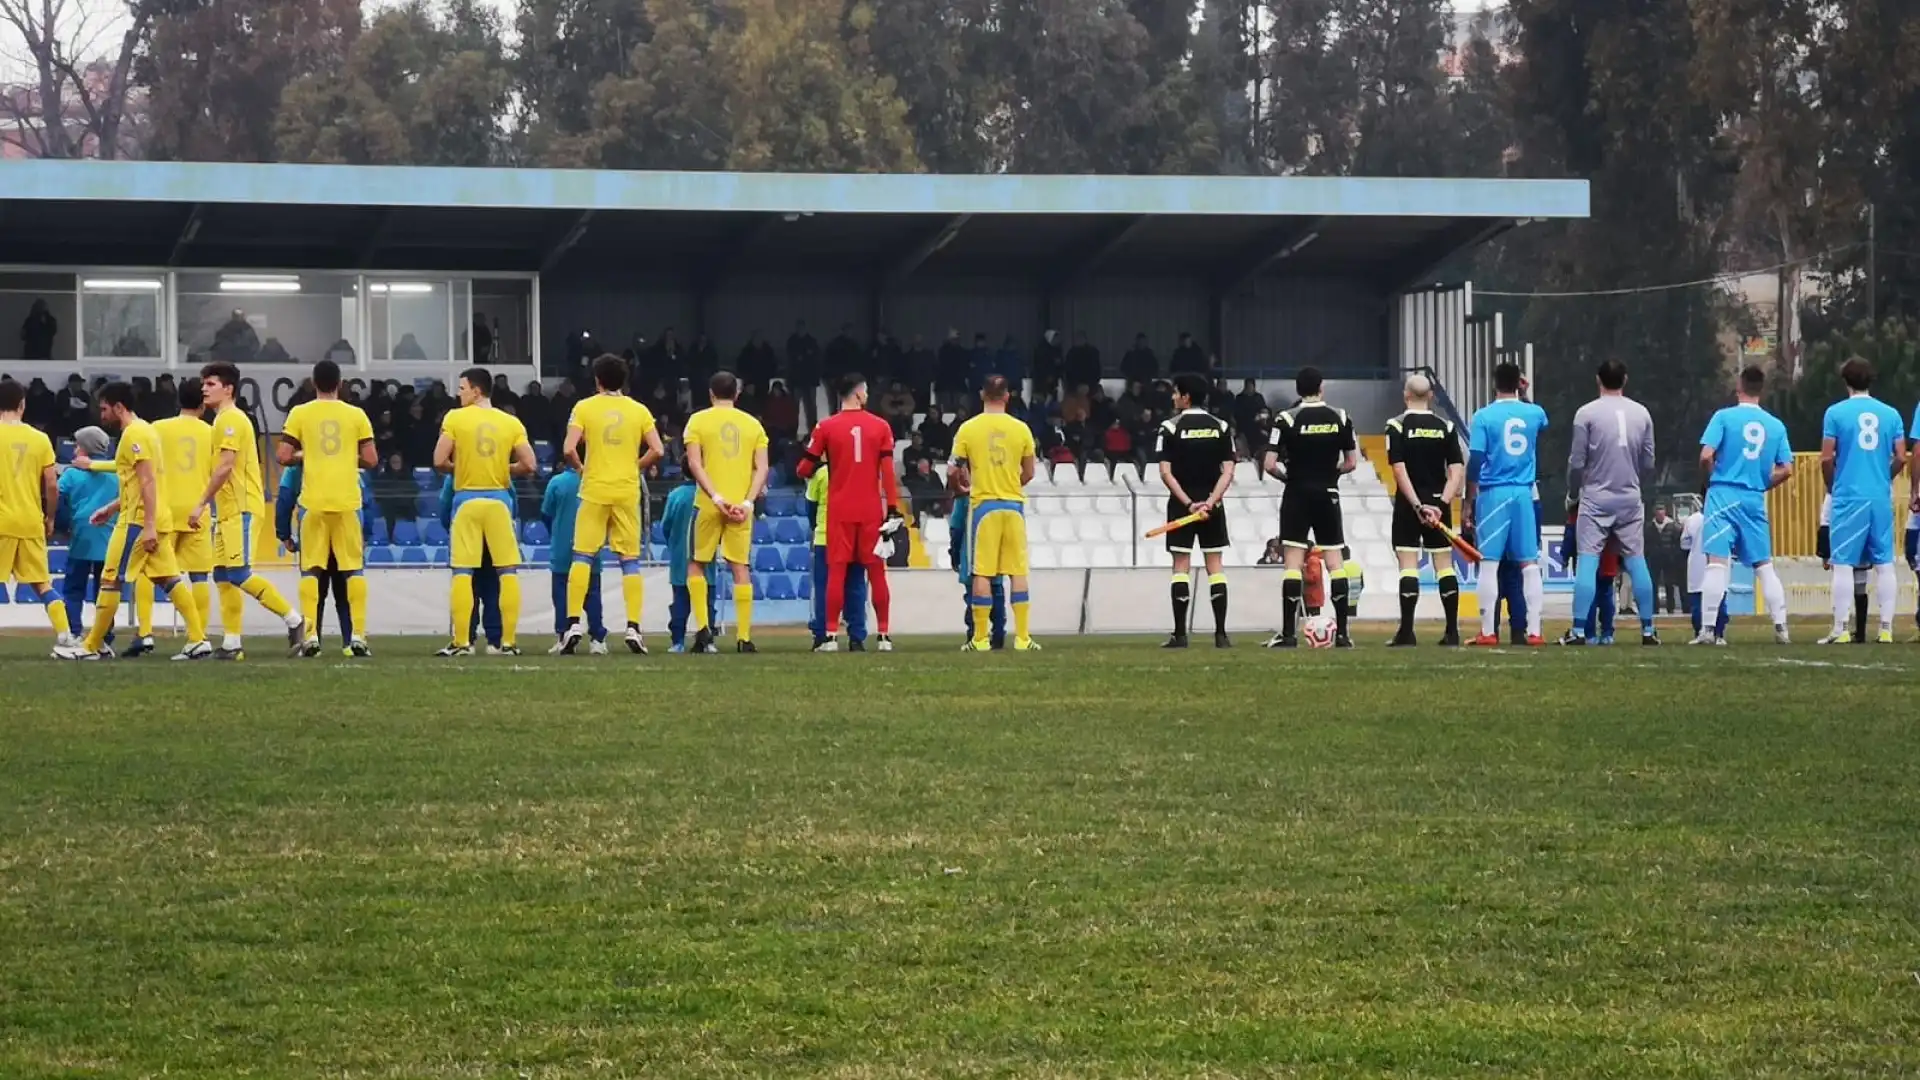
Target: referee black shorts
(1201, 536)
(1310, 518)
(1411, 534)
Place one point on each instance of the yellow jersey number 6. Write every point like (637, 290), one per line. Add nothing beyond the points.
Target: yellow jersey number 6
(484, 442)
(997, 448)
(730, 440)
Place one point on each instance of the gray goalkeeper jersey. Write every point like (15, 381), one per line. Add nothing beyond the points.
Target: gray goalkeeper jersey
(1612, 449)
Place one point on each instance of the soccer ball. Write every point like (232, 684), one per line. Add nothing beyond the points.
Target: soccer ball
(1318, 631)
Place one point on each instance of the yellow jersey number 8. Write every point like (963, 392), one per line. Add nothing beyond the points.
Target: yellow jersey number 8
(330, 437)
(997, 448)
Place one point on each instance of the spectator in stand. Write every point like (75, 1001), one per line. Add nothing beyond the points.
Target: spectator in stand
(1008, 362)
(896, 408)
(379, 400)
(667, 362)
(395, 492)
(236, 342)
(702, 361)
(915, 451)
(1081, 366)
(1143, 428)
(43, 406)
(1247, 404)
(1046, 366)
(503, 396)
(1076, 406)
(979, 364)
(1667, 560)
(1116, 444)
(36, 335)
(421, 435)
(1100, 411)
(340, 352)
(1257, 436)
(950, 373)
(803, 370)
(1221, 403)
(386, 437)
(756, 363)
(564, 399)
(1160, 397)
(145, 405)
(1129, 407)
(536, 412)
(1188, 357)
(936, 435)
(920, 365)
(1139, 364)
(925, 491)
(886, 359)
(841, 356)
(781, 417)
(1054, 444)
(1273, 555)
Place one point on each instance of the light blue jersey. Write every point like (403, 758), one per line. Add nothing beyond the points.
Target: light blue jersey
(559, 505)
(1864, 431)
(1747, 443)
(1505, 441)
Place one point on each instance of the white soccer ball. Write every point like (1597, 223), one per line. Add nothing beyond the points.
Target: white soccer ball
(1318, 631)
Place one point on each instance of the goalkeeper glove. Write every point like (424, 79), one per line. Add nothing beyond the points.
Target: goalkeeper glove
(889, 530)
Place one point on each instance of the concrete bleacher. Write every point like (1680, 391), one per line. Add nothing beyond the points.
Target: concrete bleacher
(1098, 520)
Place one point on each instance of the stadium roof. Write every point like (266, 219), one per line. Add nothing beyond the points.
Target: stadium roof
(680, 224)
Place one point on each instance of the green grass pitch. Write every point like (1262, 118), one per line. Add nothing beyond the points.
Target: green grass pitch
(1103, 861)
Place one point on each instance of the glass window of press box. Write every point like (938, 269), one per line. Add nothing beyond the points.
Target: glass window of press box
(248, 318)
(39, 317)
(120, 316)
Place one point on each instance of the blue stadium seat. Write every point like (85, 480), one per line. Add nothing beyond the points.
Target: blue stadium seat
(767, 560)
(439, 556)
(779, 587)
(782, 504)
(380, 555)
(414, 556)
(24, 594)
(432, 533)
(763, 531)
(804, 587)
(63, 451)
(545, 453)
(4, 598)
(427, 479)
(789, 530)
(57, 561)
(658, 534)
(406, 534)
(800, 560)
(427, 506)
(539, 556)
(536, 533)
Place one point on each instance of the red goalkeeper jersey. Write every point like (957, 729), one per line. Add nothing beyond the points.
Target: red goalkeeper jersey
(857, 447)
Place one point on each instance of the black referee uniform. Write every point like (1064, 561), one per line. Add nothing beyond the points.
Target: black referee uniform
(1427, 446)
(1312, 439)
(1194, 445)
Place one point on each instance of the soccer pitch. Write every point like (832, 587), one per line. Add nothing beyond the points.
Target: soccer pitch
(1101, 860)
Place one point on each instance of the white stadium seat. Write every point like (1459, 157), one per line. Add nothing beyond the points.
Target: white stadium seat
(1079, 505)
(1104, 556)
(1092, 530)
(1066, 476)
(1043, 557)
(1120, 530)
(1073, 556)
(1060, 529)
(1362, 527)
(934, 531)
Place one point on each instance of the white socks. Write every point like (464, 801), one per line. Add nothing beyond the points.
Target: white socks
(1887, 593)
(1770, 588)
(1713, 593)
(1842, 597)
(1535, 591)
(1490, 597)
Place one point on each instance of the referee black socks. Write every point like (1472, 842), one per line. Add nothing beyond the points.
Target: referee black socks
(1450, 599)
(1182, 600)
(1339, 592)
(1293, 589)
(1409, 599)
(1217, 590)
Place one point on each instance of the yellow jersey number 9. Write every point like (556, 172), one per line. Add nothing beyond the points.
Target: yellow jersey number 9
(997, 448)
(730, 440)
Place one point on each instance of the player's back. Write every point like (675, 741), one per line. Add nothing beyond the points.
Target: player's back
(1747, 442)
(1427, 445)
(1315, 437)
(241, 494)
(188, 443)
(1612, 446)
(1506, 434)
(614, 428)
(728, 439)
(993, 445)
(329, 432)
(857, 445)
(1864, 431)
(483, 442)
(139, 442)
(25, 453)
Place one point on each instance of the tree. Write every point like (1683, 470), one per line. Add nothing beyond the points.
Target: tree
(1892, 347)
(567, 48)
(81, 57)
(413, 90)
(942, 59)
(217, 70)
(1081, 99)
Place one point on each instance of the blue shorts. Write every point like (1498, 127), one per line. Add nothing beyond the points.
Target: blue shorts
(1506, 524)
(1735, 525)
(1862, 532)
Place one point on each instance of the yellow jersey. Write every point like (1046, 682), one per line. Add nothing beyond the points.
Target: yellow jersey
(483, 443)
(727, 438)
(329, 433)
(138, 443)
(614, 428)
(233, 430)
(25, 454)
(188, 442)
(992, 445)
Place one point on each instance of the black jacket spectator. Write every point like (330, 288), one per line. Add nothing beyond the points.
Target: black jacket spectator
(842, 356)
(1046, 366)
(702, 362)
(37, 333)
(236, 342)
(1129, 407)
(886, 361)
(936, 435)
(920, 371)
(1247, 404)
(43, 406)
(1188, 356)
(1100, 411)
(896, 408)
(1140, 365)
(536, 412)
(803, 358)
(950, 376)
(1082, 363)
(394, 491)
(756, 362)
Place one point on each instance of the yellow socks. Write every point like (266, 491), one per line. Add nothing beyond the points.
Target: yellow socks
(143, 607)
(196, 620)
(981, 608)
(356, 603)
(509, 610)
(233, 608)
(310, 603)
(203, 600)
(1018, 601)
(579, 576)
(697, 596)
(634, 588)
(742, 611)
(104, 610)
(56, 612)
(262, 590)
(462, 608)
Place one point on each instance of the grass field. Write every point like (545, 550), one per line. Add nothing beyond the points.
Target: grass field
(1103, 860)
